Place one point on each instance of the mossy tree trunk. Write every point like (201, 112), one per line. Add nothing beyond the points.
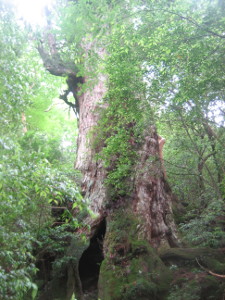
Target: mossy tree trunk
(151, 197)
(136, 224)
(131, 230)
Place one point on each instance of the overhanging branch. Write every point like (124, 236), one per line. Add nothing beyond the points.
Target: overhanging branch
(54, 64)
(57, 67)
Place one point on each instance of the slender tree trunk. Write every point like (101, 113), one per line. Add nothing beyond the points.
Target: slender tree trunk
(24, 123)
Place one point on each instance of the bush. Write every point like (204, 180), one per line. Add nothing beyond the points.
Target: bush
(207, 230)
(29, 184)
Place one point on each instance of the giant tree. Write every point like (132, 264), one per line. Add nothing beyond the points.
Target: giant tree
(108, 55)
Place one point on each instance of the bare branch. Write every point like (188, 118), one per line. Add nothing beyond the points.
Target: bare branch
(65, 99)
(209, 271)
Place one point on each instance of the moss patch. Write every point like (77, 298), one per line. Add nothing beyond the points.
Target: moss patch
(132, 268)
(195, 285)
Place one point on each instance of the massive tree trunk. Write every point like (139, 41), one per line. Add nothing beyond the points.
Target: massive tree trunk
(132, 235)
(151, 199)
(136, 223)
(128, 231)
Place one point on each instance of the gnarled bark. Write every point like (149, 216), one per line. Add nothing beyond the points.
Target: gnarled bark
(147, 210)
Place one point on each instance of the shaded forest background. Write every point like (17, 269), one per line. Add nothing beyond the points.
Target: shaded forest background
(172, 54)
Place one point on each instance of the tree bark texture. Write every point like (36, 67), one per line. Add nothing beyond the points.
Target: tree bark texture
(136, 224)
(144, 217)
(151, 199)
(92, 170)
(132, 239)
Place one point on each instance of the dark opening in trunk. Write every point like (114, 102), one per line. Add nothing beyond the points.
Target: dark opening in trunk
(90, 261)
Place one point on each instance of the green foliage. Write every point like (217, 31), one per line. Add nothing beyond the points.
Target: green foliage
(43, 146)
(190, 290)
(14, 80)
(164, 62)
(222, 186)
(16, 260)
(18, 201)
(208, 228)
(120, 128)
(31, 164)
(192, 286)
(56, 243)
(46, 112)
(29, 186)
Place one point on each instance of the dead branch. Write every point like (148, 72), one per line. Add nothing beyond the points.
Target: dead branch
(209, 271)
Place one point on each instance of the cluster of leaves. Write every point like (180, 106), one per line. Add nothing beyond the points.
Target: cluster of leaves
(196, 171)
(19, 200)
(206, 229)
(14, 89)
(30, 184)
(16, 241)
(187, 81)
(35, 169)
(191, 290)
(120, 128)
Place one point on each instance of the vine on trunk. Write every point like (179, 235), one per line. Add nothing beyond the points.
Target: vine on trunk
(119, 132)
